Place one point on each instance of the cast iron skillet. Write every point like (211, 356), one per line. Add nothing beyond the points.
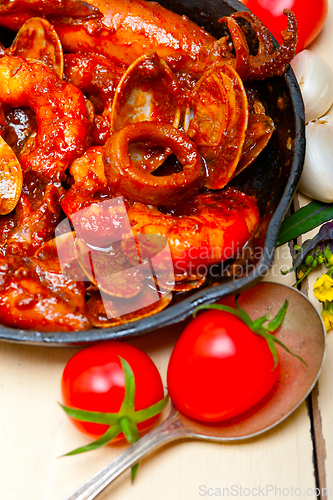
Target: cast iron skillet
(273, 179)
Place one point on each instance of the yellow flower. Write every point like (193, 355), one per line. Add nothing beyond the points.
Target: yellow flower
(300, 273)
(327, 319)
(323, 288)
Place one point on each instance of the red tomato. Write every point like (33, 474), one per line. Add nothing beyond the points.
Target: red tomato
(93, 379)
(311, 17)
(219, 368)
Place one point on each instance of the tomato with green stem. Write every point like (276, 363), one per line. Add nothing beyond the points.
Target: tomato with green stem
(311, 17)
(112, 390)
(224, 363)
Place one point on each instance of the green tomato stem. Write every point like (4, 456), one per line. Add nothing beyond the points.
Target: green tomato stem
(127, 406)
(110, 434)
(130, 430)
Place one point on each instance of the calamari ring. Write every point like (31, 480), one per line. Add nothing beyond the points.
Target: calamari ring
(133, 182)
(61, 114)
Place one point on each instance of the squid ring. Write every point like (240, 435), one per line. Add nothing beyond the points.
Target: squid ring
(133, 182)
(61, 114)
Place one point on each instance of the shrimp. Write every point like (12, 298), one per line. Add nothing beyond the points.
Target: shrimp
(63, 126)
(35, 294)
(208, 230)
(128, 29)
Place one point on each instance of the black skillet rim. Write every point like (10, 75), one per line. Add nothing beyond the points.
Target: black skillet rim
(183, 309)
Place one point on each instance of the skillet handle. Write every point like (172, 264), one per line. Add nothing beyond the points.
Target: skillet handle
(169, 430)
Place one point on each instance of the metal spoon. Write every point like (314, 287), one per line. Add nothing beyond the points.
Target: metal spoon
(302, 331)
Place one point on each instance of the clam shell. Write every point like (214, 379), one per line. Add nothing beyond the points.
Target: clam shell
(216, 120)
(37, 39)
(109, 311)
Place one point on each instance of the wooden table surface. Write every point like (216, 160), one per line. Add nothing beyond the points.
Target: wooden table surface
(293, 459)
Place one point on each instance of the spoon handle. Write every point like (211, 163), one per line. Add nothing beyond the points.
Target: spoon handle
(169, 430)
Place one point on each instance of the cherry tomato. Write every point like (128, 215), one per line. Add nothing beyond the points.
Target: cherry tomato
(93, 379)
(311, 17)
(219, 368)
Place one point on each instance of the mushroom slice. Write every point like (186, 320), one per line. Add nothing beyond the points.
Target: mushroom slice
(11, 179)
(37, 39)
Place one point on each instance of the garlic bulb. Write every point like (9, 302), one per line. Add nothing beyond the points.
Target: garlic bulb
(315, 80)
(317, 176)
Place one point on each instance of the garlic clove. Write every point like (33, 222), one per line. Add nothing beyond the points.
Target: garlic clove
(315, 79)
(317, 176)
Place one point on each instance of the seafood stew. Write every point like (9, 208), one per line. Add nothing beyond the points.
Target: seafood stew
(271, 179)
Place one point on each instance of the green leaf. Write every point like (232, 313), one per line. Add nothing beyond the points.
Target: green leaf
(276, 322)
(110, 434)
(92, 416)
(328, 253)
(216, 306)
(151, 411)
(303, 220)
(130, 430)
(132, 435)
(134, 470)
(127, 407)
(257, 323)
(289, 351)
(243, 314)
(273, 350)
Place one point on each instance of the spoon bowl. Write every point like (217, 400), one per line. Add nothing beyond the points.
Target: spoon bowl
(302, 331)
